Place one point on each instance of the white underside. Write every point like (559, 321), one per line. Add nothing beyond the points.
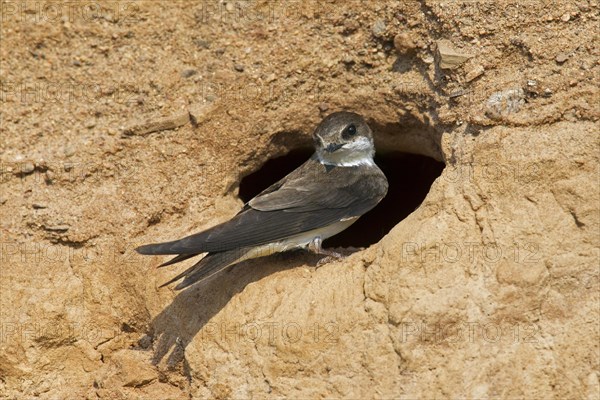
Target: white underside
(299, 241)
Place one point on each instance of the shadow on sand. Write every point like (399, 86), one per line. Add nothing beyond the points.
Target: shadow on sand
(177, 325)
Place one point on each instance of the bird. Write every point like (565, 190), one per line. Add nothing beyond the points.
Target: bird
(319, 199)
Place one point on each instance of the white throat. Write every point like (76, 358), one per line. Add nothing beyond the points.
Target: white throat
(359, 152)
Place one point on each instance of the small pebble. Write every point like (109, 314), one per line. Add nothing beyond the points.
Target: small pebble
(561, 58)
(404, 43)
(39, 206)
(504, 102)
(27, 168)
(378, 28)
(449, 57)
(428, 59)
(566, 17)
(41, 165)
(323, 107)
(199, 112)
(201, 43)
(239, 67)
(350, 26)
(186, 73)
(57, 228)
(69, 151)
(583, 7)
(475, 73)
(49, 177)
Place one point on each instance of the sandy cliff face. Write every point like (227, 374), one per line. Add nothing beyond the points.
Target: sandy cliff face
(488, 289)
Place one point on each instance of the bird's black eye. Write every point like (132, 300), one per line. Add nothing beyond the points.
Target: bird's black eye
(349, 131)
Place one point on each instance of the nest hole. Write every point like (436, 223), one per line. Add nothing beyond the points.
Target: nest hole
(410, 177)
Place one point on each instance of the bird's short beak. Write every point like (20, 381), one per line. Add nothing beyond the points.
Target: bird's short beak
(333, 147)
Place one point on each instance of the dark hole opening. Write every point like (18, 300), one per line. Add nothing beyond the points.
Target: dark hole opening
(410, 177)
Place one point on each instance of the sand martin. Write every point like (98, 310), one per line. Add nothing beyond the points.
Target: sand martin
(325, 195)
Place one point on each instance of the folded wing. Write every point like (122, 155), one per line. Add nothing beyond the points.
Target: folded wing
(296, 204)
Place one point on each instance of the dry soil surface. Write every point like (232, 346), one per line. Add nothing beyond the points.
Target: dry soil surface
(129, 122)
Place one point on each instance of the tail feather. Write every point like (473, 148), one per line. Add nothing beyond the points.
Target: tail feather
(181, 275)
(208, 266)
(177, 259)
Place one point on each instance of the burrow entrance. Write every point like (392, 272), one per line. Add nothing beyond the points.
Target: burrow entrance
(410, 177)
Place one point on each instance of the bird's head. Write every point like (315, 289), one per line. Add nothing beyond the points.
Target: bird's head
(344, 139)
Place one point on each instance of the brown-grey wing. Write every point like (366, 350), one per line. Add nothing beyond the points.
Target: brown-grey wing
(313, 186)
(296, 207)
(253, 228)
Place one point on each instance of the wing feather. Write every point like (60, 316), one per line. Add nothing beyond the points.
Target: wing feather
(297, 203)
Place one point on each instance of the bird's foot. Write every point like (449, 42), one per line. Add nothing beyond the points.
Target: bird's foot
(315, 246)
(327, 259)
